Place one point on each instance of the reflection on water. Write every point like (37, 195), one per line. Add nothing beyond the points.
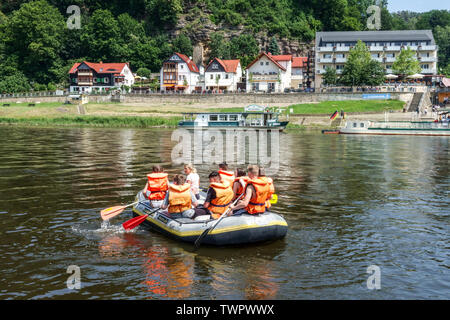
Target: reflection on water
(350, 202)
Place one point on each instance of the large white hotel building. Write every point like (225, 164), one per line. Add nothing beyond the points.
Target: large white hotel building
(332, 49)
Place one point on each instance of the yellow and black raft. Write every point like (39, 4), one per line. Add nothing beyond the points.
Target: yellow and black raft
(232, 230)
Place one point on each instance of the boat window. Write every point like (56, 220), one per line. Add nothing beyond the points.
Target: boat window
(223, 117)
(362, 125)
(233, 117)
(213, 117)
(355, 124)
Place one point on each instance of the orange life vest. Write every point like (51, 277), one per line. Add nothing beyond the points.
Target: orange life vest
(241, 189)
(158, 184)
(227, 176)
(179, 198)
(257, 202)
(271, 190)
(224, 196)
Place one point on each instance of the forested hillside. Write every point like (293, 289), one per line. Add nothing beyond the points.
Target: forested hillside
(37, 49)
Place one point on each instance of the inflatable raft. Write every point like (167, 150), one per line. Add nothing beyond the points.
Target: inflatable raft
(232, 230)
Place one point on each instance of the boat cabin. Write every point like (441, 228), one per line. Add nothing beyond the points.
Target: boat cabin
(230, 119)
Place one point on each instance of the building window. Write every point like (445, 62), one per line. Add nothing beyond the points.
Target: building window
(261, 63)
(212, 77)
(327, 56)
(226, 76)
(424, 66)
(181, 67)
(267, 63)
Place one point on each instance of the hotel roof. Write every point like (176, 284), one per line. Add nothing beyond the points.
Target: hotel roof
(375, 36)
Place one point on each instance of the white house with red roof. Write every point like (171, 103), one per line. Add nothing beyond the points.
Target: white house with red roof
(223, 75)
(180, 73)
(88, 77)
(269, 73)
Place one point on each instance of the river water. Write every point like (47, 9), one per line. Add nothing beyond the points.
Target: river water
(351, 202)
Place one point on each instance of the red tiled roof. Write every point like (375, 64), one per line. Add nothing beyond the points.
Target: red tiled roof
(282, 57)
(228, 65)
(191, 65)
(106, 67)
(270, 57)
(299, 62)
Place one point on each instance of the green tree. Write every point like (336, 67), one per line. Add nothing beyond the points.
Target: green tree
(442, 37)
(273, 46)
(163, 12)
(183, 44)
(101, 35)
(15, 83)
(143, 72)
(360, 68)
(406, 63)
(34, 34)
(218, 46)
(330, 76)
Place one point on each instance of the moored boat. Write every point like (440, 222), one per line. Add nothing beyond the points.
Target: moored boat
(232, 230)
(424, 128)
(252, 118)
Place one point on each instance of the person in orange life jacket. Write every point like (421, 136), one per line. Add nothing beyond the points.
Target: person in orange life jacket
(256, 193)
(180, 199)
(262, 175)
(218, 197)
(226, 174)
(156, 186)
(239, 182)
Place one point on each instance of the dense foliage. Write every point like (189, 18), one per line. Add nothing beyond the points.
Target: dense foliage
(37, 48)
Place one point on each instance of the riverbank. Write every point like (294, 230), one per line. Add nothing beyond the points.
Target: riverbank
(144, 115)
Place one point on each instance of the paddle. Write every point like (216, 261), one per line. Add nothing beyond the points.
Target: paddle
(109, 213)
(133, 223)
(204, 233)
(274, 199)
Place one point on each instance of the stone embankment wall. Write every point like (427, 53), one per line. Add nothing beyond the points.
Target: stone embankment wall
(271, 99)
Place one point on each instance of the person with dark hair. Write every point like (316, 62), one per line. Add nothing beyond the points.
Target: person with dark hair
(239, 182)
(180, 199)
(156, 187)
(256, 193)
(225, 174)
(218, 197)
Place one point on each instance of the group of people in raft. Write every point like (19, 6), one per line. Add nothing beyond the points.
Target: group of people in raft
(180, 198)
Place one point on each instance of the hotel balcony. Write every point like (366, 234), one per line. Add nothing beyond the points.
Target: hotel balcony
(326, 49)
(427, 59)
(428, 71)
(428, 48)
(342, 49)
(389, 71)
(341, 60)
(325, 60)
(376, 48)
(379, 59)
(393, 48)
(390, 59)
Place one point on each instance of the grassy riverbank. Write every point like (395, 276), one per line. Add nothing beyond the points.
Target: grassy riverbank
(95, 121)
(142, 115)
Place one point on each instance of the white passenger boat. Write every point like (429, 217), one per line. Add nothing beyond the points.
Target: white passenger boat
(418, 128)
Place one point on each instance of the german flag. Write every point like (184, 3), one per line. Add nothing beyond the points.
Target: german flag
(334, 115)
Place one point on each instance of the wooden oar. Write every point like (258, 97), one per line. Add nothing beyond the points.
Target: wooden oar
(205, 233)
(109, 213)
(133, 223)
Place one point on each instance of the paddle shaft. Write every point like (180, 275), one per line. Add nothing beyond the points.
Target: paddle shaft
(134, 222)
(205, 233)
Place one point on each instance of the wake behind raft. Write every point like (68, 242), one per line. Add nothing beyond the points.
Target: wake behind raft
(232, 230)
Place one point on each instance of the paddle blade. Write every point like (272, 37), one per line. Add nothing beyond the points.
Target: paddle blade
(133, 223)
(108, 213)
(274, 199)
